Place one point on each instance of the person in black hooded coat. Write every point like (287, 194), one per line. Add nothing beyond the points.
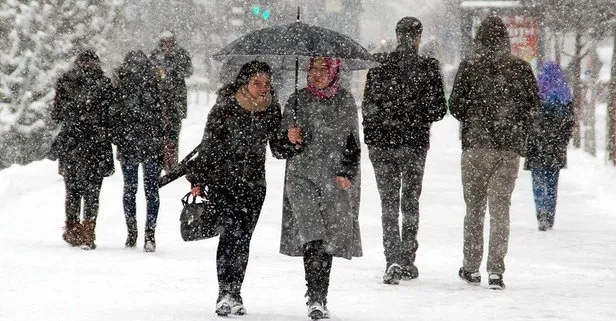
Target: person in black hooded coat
(138, 133)
(83, 146)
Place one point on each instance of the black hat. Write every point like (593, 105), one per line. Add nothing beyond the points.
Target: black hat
(409, 26)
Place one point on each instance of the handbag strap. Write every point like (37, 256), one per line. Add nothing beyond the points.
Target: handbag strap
(186, 199)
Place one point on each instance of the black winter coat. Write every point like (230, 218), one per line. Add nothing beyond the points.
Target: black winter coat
(495, 97)
(81, 106)
(232, 151)
(138, 116)
(402, 98)
(173, 68)
(547, 145)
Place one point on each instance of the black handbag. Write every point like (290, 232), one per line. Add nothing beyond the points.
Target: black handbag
(199, 220)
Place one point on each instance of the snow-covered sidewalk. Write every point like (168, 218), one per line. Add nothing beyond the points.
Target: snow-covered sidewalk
(568, 273)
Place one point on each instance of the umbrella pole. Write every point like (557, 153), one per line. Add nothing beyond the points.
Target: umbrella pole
(296, 80)
(296, 96)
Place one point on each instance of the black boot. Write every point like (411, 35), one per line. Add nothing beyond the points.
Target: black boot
(317, 266)
(150, 242)
(542, 221)
(131, 239)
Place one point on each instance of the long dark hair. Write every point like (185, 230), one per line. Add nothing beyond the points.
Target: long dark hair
(248, 70)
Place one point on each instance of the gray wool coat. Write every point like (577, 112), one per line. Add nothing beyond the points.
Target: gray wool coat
(314, 206)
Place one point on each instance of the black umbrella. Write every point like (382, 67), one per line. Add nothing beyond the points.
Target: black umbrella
(283, 46)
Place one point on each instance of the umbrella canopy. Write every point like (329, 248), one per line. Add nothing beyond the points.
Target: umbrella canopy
(281, 45)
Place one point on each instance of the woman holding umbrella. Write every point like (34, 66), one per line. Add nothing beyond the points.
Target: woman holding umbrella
(321, 193)
(231, 163)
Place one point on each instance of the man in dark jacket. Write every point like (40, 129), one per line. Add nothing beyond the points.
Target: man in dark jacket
(173, 65)
(83, 146)
(403, 97)
(494, 96)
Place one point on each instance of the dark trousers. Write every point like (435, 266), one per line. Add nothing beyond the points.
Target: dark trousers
(151, 171)
(317, 267)
(399, 176)
(545, 190)
(239, 212)
(88, 188)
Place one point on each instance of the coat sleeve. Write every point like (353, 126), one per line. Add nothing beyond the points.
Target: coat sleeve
(349, 166)
(369, 106)
(57, 108)
(351, 156)
(459, 100)
(434, 101)
(185, 64)
(211, 150)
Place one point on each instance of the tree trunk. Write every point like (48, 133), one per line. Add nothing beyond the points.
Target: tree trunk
(557, 48)
(611, 108)
(590, 143)
(577, 89)
(590, 101)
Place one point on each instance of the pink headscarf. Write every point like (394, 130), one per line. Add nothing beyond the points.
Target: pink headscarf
(333, 79)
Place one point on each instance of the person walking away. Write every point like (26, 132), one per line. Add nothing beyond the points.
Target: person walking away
(138, 134)
(322, 179)
(231, 165)
(402, 98)
(494, 97)
(83, 146)
(173, 64)
(547, 147)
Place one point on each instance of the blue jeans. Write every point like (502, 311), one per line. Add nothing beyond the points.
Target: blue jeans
(151, 171)
(545, 189)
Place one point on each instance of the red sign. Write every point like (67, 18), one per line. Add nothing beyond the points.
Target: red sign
(524, 36)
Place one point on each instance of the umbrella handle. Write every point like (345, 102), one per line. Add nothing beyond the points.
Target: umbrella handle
(296, 103)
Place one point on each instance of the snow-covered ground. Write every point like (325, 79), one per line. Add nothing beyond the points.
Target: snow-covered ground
(568, 273)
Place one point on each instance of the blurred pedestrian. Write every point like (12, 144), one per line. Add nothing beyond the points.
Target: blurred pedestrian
(83, 146)
(138, 133)
(172, 64)
(322, 180)
(547, 147)
(231, 165)
(403, 97)
(494, 97)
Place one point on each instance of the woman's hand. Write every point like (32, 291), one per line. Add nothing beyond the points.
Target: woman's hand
(196, 191)
(344, 183)
(295, 135)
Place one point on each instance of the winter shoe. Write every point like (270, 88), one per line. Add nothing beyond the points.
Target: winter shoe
(495, 282)
(223, 304)
(550, 222)
(393, 274)
(410, 272)
(150, 242)
(72, 233)
(543, 224)
(472, 278)
(237, 305)
(542, 221)
(88, 235)
(317, 310)
(131, 239)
